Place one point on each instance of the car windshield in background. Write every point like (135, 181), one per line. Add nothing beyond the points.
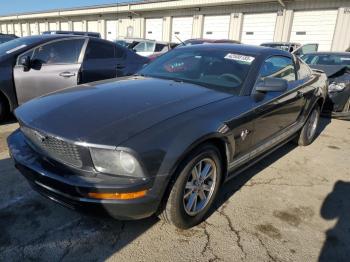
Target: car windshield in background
(278, 46)
(327, 59)
(216, 69)
(16, 44)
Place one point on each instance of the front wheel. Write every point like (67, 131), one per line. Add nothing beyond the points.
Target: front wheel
(308, 132)
(195, 188)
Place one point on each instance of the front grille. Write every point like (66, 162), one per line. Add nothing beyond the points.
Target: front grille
(53, 147)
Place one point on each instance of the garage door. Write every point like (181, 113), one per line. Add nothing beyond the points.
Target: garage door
(181, 28)
(42, 27)
(314, 27)
(3, 29)
(34, 30)
(112, 30)
(93, 26)
(216, 27)
(64, 26)
(24, 30)
(18, 30)
(10, 29)
(154, 29)
(52, 26)
(78, 26)
(258, 28)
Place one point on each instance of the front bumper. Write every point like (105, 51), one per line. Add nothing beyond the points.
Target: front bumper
(335, 103)
(71, 189)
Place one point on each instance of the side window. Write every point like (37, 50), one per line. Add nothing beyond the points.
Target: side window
(99, 50)
(303, 70)
(278, 67)
(140, 47)
(60, 52)
(28, 53)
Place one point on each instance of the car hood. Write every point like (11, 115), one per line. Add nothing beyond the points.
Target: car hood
(110, 112)
(331, 70)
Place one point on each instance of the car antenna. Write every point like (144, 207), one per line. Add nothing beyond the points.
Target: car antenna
(178, 38)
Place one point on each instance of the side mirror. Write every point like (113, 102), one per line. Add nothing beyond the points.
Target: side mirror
(270, 84)
(25, 62)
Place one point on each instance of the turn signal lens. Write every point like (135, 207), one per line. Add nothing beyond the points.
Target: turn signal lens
(120, 196)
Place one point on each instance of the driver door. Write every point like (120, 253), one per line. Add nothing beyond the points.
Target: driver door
(54, 66)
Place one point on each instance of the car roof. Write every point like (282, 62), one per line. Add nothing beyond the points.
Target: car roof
(211, 40)
(240, 48)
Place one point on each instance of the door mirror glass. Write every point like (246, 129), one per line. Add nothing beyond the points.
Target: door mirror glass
(270, 84)
(25, 62)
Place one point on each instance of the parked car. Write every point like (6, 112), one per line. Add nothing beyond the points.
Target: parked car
(6, 37)
(37, 65)
(164, 142)
(294, 48)
(200, 41)
(129, 42)
(92, 34)
(151, 47)
(197, 41)
(337, 68)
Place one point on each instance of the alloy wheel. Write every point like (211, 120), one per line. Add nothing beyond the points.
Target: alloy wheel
(200, 186)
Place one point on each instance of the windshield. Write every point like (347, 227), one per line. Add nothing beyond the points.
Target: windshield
(327, 59)
(216, 69)
(16, 44)
(283, 47)
(145, 47)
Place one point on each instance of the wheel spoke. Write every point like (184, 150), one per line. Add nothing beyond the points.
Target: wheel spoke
(206, 187)
(191, 201)
(202, 196)
(188, 193)
(190, 185)
(206, 172)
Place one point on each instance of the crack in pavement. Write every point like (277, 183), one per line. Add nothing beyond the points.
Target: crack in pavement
(268, 253)
(237, 232)
(207, 245)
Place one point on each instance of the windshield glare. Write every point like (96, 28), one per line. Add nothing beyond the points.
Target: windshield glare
(16, 44)
(220, 69)
(317, 59)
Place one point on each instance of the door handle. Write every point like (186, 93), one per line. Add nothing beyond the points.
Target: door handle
(67, 74)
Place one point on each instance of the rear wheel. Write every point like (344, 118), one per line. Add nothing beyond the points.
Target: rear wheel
(195, 188)
(308, 132)
(4, 109)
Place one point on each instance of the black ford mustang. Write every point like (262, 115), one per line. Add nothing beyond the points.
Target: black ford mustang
(164, 141)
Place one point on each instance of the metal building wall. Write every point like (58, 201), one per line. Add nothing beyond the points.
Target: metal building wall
(134, 16)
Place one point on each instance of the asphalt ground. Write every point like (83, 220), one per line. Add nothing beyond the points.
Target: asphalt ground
(292, 206)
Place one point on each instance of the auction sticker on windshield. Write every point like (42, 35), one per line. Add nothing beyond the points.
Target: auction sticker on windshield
(240, 58)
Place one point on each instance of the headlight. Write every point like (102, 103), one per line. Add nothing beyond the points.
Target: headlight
(336, 87)
(115, 162)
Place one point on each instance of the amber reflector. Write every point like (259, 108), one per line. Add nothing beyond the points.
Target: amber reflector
(122, 196)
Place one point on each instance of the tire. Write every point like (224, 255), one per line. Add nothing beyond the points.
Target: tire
(345, 113)
(186, 206)
(308, 132)
(4, 109)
